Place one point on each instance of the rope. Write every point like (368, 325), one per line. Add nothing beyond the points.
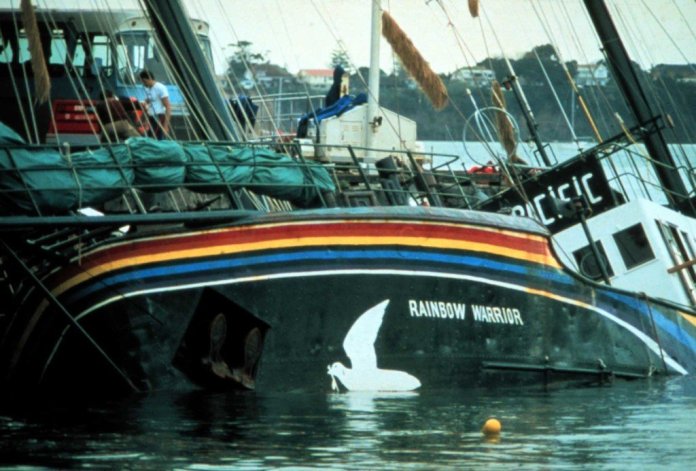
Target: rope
(71, 319)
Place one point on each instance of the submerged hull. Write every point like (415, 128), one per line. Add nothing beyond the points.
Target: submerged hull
(270, 303)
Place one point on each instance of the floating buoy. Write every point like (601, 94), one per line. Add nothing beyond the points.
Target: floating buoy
(491, 427)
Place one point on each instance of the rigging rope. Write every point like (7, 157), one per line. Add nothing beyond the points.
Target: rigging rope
(576, 93)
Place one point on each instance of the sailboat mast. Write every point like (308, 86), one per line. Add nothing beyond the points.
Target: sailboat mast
(171, 24)
(627, 79)
(373, 78)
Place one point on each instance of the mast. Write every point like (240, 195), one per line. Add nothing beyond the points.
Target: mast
(627, 79)
(373, 78)
(171, 24)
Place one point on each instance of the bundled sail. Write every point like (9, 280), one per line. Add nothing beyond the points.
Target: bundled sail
(45, 181)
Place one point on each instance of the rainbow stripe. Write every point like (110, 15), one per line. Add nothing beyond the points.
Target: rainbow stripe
(355, 234)
(512, 259)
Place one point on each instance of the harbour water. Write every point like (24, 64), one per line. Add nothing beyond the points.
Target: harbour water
(642, 424)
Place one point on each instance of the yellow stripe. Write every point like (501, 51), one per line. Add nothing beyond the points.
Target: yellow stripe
(688, 317)
(544, 259)
(509, 233)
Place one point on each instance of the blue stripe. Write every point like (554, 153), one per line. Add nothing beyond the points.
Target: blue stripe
(323, 255)
(662, 321)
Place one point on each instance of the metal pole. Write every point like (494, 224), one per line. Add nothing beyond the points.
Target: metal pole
(512, 84)
(373, 79)
(71, 319)
(626, 77)
(593, 246)
(171, 23)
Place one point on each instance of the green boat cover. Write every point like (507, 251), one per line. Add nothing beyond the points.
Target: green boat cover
(33, 177)
(39, 178)
(258, 169)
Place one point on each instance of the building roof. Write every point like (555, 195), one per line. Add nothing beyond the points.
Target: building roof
(316, 72)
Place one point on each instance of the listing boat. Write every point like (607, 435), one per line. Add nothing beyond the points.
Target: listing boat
(149, 265)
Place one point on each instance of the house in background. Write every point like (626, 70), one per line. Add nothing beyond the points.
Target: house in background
(316, 78)
(684, 73)
(474, 76)
(592, 75)
(268, 77)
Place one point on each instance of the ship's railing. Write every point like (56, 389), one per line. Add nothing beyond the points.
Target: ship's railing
(279, 114)
(632, 173)
(385, 178)
(382, 178)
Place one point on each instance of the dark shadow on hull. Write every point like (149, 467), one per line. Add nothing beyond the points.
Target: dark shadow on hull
(222, 344)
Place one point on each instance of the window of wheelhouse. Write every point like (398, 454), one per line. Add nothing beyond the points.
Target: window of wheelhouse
(204, 41)
(92, 55)
(633, 246)
(101, 52)
(587, 262)
(682, 252)
(5, 46)
(89, 55)
(57, 52)
(136, 51)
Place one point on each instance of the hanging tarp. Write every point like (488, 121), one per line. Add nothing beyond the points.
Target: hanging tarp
(158, 165)
(261, 170)
(103, 174)
(35, 178)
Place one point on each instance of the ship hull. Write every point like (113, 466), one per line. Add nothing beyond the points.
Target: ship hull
(270, 304)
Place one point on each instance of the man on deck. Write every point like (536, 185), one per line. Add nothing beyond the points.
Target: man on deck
(159, 108)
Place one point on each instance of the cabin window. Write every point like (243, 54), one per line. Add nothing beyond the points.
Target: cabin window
(101, 51)
(133, 50)
(23, 53)
(141, 52)
(5, 48)
(59, 48)
(587, 262)
(634, 246)
(79, 57)
(682, 253)
(205, 46)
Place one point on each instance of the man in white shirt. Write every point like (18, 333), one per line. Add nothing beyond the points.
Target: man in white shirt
(159, 108)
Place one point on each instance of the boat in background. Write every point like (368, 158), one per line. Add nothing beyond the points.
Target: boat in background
(146, 265)
(92, 50)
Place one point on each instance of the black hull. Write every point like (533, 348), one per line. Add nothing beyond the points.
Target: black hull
(454, 316)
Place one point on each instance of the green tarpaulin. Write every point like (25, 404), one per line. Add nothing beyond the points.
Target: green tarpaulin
(40, 177)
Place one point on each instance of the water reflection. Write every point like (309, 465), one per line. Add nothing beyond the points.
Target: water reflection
(627, 424)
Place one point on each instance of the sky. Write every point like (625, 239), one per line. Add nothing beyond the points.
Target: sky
(302, 34)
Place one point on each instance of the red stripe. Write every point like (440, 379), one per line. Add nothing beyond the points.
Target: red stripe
(299, 231)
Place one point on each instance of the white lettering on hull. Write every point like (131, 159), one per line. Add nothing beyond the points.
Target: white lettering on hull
(496, 314)
(458, 311)
(439, 309)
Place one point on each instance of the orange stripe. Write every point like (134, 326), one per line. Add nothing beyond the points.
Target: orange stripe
(427, 242)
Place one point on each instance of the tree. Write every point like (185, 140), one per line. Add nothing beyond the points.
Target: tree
(242, 58)
(243, 53)
(340, 57)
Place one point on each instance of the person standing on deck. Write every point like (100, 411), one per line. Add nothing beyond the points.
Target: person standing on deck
(159, 109)
(339, 88)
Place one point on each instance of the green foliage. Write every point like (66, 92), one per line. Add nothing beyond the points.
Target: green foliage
(242, 57)
(340, 57)
(668, 97)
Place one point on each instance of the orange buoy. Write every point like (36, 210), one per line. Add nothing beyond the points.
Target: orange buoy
(491, 427)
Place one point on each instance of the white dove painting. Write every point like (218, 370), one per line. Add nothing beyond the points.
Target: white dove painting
(359, 345)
